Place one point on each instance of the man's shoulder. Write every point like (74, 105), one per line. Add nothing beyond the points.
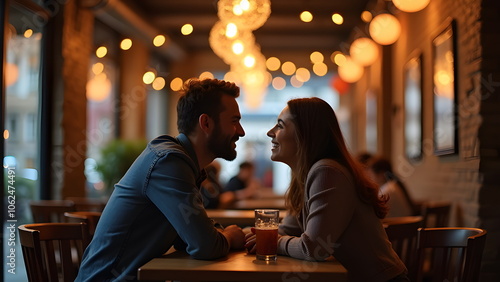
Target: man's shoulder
(165, 144)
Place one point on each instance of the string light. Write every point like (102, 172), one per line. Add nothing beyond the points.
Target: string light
(126, 44)
(385, 29)
(187, 29)
(306, 16)
(337, 19)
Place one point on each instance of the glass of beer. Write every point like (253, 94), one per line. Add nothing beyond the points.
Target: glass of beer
(266, 232)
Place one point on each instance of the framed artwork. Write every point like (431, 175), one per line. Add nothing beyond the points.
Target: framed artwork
(413, 107)
(444, 91)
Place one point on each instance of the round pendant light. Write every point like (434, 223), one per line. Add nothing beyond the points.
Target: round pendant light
(385, 29)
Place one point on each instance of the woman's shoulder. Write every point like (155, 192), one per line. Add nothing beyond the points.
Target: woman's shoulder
(329, 166)
(328, 163)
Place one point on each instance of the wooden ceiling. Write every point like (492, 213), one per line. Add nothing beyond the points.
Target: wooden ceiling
(283, 31)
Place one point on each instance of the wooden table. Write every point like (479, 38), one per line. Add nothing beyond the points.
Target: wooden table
(265, 203)
(241, 218)
(239, 266)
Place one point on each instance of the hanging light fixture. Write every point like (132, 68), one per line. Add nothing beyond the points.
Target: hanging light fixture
(246, 14)
(385, 29)
(223, 37)
(410, 6)
(350, 71)
(364, 51)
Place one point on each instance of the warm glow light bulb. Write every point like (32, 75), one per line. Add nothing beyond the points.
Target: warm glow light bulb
(350, 71)
(101, 52)
(231, 30)
(364, 51)
(249, 61)
(6, 134)
(205, 75)
(148, 77)
(28, 33)
(320, 69)
(158, 83)
(410, 6)
(126, 44)
(306, 16)
(176, 84)
(295, 82)
(366, 16)
(316, 57)
(339, 59)
(303, 74)
(231, 76)
(159, 40)
(385, 29)
(245, 5)
(187, 29)
(97, 68)
(273, 64)
(238, 47)
(237, 10)
(288, 68)
(338, 19)
(279, 83)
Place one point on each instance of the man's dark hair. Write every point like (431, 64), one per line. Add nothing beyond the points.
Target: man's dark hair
(246, 164)
(202, 97)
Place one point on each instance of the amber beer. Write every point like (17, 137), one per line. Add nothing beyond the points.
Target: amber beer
(267, 242)
(266, 232)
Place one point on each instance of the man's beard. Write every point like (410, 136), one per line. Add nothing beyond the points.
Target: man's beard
(222, 147)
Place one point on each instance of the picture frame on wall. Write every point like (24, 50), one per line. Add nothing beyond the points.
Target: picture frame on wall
(444, 82)
(413, 84)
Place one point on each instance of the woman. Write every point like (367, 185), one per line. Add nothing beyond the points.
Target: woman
(334, 209)
(400, 203)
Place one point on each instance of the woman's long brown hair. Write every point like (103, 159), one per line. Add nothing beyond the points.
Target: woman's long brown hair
(318, 137)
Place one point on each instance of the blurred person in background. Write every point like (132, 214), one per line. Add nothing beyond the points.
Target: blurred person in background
(243, 185)
(400, 203)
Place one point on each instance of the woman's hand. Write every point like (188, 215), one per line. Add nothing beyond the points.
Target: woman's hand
(250, 241)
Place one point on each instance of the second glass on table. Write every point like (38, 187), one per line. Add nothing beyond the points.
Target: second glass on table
(266, 232)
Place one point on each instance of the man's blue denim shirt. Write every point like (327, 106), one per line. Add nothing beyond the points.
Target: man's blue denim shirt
(155, 203)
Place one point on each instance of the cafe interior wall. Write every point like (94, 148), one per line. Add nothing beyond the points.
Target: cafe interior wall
(467, 178)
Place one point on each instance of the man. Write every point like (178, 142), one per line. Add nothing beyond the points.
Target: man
(243, 185)
(158, 202)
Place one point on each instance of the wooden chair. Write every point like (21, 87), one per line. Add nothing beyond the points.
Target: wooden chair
(50, 210)
(87, 204)
(456, 256)
(90, 218)
(436, 214)
(402, 232)
(53, 251)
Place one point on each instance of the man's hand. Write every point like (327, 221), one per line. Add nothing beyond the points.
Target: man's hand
(250, 241)
(234, 236)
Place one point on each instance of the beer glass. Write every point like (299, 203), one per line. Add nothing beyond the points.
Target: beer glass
(266, 232)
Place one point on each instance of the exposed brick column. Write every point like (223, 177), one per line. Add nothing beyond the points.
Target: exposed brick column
(489, 147)
(76, 48)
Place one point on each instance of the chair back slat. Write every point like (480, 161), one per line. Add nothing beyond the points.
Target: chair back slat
(436, 214)
(53, 251)
(50, 210)
(455, 254)
(402, 233)
(87, 204)
(90, 218)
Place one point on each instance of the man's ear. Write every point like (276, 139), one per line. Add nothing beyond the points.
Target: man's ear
(206, 123)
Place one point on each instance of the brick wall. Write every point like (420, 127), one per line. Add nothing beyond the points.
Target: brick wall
(488, 81)
(469, 179)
